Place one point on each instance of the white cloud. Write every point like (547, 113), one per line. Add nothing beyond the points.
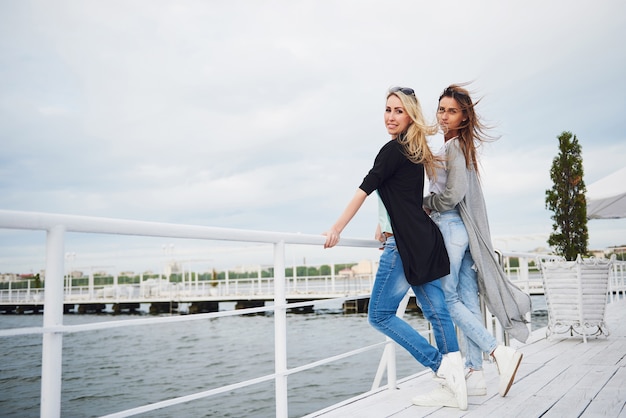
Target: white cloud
(267, 115)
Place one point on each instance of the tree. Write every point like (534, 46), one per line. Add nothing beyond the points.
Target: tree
(567, 200)
(37, 281)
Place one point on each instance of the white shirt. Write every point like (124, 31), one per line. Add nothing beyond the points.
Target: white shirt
(438, 185)
(383, 217)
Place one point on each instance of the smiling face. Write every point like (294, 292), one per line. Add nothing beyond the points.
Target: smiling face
(450, 116)
(397, 119)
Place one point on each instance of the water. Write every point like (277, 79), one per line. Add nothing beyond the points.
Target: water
(107, 371)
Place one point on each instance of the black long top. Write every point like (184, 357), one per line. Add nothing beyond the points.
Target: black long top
(400, 184)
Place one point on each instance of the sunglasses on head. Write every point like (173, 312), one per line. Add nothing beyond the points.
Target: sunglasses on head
(404, 90)
(453, 93)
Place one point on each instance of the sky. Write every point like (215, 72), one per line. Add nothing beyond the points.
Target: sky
(266, 115)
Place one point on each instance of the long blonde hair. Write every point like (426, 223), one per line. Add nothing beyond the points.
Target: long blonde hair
(414, 139)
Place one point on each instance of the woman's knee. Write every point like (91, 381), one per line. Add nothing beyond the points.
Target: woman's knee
(377, 318)
(471, 303)
(440, 312)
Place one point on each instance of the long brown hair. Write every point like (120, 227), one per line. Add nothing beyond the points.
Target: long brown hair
(472, 132)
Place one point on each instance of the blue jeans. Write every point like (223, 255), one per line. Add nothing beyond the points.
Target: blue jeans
(461, 289)
(389, 289)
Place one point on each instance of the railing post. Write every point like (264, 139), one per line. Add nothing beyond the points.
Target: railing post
(52, 346)
(280, 331)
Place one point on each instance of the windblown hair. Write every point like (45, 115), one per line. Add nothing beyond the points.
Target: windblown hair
(414, 139)
(472, 132)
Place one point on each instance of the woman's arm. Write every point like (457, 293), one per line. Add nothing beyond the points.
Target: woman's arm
(456, 183)
(332, 235)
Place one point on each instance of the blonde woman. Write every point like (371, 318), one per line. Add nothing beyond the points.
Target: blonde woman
(414, 254)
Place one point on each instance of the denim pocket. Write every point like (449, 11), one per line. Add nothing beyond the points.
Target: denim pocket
(457, 234)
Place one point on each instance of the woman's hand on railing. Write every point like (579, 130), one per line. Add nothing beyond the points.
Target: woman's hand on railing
(332, 238)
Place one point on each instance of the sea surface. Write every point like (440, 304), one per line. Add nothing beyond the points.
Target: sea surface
(107, 371)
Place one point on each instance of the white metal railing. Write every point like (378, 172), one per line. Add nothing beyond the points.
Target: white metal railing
(57, 226)
(53, 328)
(617, 281)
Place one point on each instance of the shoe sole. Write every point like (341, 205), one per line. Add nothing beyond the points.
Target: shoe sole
(430, 401)
(510, 383)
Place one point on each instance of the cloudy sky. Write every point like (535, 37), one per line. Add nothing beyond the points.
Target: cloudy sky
(266, 115)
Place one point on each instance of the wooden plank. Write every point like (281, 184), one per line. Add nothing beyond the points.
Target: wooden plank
(612, 352)
(558, 377)
(611, 400)
(576, 400)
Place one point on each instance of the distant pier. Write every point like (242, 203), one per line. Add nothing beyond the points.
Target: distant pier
(163, 297)
(172, 307)
(357, 305)
(194, 297)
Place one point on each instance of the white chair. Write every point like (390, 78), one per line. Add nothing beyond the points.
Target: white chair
(576, 295)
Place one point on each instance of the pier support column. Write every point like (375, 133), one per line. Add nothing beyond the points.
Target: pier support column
(163, 307)
(356, 306)
(244, 304)
(204, 307)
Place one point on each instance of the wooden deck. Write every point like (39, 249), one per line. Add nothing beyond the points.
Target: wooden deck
(559, 377)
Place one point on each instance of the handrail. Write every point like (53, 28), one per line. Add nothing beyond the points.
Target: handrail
(87, 224)
(53, 328)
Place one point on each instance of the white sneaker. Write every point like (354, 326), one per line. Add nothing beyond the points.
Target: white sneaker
(508, 360)
(442, 396)
(475, 381)
(452, 369)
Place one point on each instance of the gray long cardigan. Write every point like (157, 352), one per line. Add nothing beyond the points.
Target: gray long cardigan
(505, 300)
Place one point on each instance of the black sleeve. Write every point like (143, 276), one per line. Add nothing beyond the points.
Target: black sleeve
(386, 163)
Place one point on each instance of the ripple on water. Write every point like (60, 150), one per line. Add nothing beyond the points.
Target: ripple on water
(106, 371)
